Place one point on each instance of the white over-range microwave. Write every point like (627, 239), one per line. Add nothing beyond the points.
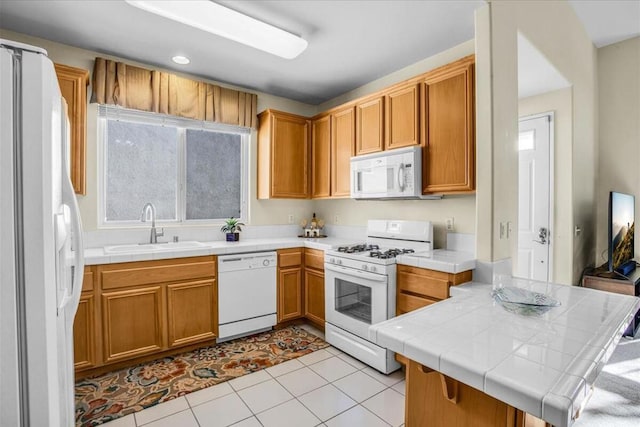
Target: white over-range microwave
(393, 174)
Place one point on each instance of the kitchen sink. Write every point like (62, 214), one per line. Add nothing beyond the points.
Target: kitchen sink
(155, 247)
(128, 248)
(187, 244)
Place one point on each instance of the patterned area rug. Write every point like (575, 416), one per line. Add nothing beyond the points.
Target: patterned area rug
(116, 394)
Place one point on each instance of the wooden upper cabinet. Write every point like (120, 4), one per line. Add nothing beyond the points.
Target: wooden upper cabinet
(321, 157)
(342, 149)
(370, 126)
(402, 118)
(283, 156)
(449, 129)
(73, 84)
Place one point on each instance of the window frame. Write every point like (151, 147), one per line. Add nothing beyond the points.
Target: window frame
(106, 113)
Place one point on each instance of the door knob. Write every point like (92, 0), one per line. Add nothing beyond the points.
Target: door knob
(543, 236)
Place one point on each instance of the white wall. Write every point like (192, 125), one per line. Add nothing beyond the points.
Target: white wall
(555, 30)
(351, 212)
(619, 132)
(558, 102)
(260, 211)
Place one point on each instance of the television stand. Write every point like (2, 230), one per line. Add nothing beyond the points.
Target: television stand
(600, 278)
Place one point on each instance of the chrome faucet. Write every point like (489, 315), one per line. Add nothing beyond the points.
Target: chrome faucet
(153, 238)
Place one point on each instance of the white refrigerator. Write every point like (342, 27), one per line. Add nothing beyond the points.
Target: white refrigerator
(41, 253)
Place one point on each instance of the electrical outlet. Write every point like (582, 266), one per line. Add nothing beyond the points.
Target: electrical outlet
(336, 219)
(290, 218)
(450, 224)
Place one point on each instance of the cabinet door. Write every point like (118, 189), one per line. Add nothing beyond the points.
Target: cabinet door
(314, 296)
(449, 125)
(320, 154)
(191, 312)
(289, 157)
(132, 323)
(427, 405)
(289, 293)
(370, 126)
(402, 117)
(73, 86)
(343, 139)
(84, 337)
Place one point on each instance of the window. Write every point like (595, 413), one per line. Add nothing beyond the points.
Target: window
(191, 171)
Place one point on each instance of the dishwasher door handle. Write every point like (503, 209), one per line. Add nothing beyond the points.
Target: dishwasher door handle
(231, 259)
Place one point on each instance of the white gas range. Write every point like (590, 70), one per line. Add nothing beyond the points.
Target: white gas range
(360, 287)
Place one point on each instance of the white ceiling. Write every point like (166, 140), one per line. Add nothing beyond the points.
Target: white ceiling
(350, 42)
(609, 21)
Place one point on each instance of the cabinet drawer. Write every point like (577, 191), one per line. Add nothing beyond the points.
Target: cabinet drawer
(314, 258)
(427, 286)
(408, 303)
(290, 257)
(114, 276)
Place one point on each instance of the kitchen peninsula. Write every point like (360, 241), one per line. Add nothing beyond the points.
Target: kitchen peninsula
(470, 358)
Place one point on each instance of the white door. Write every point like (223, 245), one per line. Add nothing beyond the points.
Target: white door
(534, 201)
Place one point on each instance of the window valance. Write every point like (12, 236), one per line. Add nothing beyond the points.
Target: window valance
(117, 83)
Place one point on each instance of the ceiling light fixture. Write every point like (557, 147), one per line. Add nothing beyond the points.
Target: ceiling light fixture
(182, 60)
(214, 18)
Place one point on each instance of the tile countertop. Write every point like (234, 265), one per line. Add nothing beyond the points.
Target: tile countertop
(441, 260)
(95, 256)
(544, 365)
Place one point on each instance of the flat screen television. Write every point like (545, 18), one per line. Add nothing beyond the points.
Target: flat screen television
(621, 232)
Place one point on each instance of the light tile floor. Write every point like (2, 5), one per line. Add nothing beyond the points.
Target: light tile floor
(324, 388)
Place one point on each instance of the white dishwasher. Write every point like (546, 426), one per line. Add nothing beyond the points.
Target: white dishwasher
(246, 294)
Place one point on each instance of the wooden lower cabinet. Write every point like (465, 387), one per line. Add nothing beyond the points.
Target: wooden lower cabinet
(191, 312)
(314, 286)
(134, 311)
(289, 294)
(419, 287)
(86, 325)
(290, 276)
(314, 296)
(434, 399)
(132, 323)
(84, 337)
(301, 285)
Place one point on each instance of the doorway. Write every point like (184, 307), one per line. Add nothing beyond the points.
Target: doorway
(535, 201)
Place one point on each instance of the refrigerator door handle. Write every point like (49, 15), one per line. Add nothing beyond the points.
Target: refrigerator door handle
(77, 247)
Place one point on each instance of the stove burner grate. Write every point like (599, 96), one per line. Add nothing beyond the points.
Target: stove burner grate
(390, 253)
(357, 248)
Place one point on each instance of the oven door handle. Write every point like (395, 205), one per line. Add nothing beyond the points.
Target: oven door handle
(356, 273)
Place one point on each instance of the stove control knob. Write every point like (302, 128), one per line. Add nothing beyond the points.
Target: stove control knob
(339, 262)
(365, 267)
(373, 269)
(332, 260)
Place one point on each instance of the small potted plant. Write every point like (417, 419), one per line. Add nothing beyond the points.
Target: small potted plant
(232, 227)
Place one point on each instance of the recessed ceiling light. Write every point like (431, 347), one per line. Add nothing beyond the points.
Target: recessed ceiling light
(182, 60)
(216, 19)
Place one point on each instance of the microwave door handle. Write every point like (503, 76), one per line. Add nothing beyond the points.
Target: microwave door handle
(401, 177)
